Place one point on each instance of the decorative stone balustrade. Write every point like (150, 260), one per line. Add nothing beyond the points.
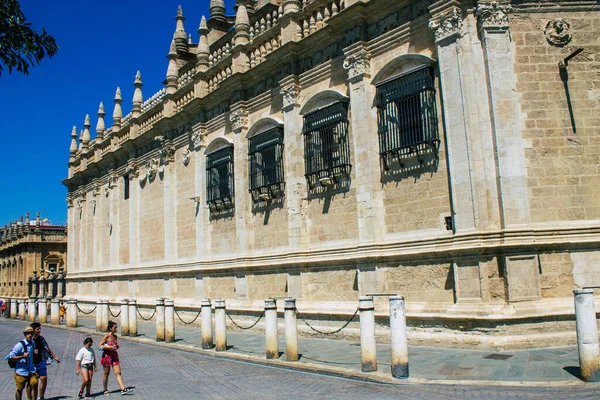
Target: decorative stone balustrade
(265, 23)
(187, 77)
(220, 76)
(317, 15)
(149, 121)
(183, 100)
(257, 54)
(153, 100)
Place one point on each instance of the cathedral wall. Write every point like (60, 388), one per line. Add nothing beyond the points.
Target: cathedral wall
(186, 210)
(151, 220)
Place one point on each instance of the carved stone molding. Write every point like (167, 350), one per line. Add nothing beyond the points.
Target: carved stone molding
(493, 14)
(358, 66)
(448, 25)
(132, 171)
(239, 120)
(113, 180)
(291, 95)
(197, 139)
(69, 201)
(96, 189)
(558, 32)
(186, 157)
(167, 150)
(79, 204)
(152, 168)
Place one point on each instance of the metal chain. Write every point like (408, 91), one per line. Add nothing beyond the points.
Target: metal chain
(192, 321)
(111, 313)
(142, 317)
(327, 333)
(245, 328)
(87, 313)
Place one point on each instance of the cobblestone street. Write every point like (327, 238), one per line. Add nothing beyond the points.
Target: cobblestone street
(158, 373)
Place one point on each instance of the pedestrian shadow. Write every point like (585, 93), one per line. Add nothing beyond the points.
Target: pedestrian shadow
(575, 371)
(60, 397)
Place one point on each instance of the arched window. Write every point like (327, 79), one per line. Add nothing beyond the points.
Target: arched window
(265, 156)
(219, 178)
(406, 111)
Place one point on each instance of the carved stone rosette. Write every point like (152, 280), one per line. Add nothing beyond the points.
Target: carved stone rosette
(558, 32)
(239, 120)
(358, 66)
(291, 95)
(448, 25)
(493, 14)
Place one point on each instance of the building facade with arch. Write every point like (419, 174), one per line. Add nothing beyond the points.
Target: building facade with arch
(329, 149)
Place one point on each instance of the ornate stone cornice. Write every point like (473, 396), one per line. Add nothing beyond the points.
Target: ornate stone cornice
(493, 15)
(291, 95)
(132, 171)
(358, 66)
(238, 119)
(448, 25)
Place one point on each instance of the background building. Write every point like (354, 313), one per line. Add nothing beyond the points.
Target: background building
(325, 149)
(33, 257)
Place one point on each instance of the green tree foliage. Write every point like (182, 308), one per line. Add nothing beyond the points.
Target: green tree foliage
(20, 46)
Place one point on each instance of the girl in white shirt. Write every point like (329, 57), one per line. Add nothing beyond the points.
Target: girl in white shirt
(86, 363)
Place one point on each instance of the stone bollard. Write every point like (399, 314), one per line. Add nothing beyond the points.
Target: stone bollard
(587, 335)
(133, 317)
(160, 320)
(291, 330)
(71, 313)
(207, 334)
(169, 322)
(31, 309)
(22, 303)
(55, 312)
(220, 325)
(99, 316)
(124, 317)
(368, 350)
(104, 317)
(272, 349)
(398, 339)
(43, 310)
(14, 304)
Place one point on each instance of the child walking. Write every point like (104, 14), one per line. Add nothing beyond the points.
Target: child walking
(85, 362)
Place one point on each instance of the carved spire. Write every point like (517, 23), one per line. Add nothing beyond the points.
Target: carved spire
(118, 111)
(100, 126)
(27, 222)
(38, 221)
(203, 49)
(138, 99)
(80, 143)
(242, 24)
(217, 9)
(180, 37)
(73, 148)
(85, 136)
(172, 75)
(21, 225)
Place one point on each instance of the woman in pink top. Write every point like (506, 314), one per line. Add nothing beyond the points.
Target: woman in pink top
(110, 358)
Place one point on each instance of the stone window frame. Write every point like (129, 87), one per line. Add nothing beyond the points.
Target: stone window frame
(220, 165)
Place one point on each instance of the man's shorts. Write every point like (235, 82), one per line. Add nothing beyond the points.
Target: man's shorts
(41, 368)
(20, 381)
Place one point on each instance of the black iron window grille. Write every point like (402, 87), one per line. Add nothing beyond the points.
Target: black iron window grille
(265, 156)
(126, 187)
(326, 145)
(407, 117)
(219, 179)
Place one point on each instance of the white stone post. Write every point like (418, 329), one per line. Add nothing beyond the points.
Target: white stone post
(207, 334)
(220, 325)
(124, 317)
(55, 312)
(169, 322)
(14, 303)
(31, 309)
(72, 313)
(160, 320)
(133, 317)
(43, 310)
(104, 317)
(398, 339)
(368, 350)
(291, 330)
(272, 348)
(99, 316)
(587, 335)
(22, 309)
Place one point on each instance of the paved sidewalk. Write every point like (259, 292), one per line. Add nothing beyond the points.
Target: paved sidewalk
(540, 367)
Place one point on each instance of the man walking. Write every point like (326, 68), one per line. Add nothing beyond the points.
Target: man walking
(41, 354)
(25, 374)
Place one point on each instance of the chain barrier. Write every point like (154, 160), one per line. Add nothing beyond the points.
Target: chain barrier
(114, 315)
(327, 333)
(84, 312)
(142, 317)
(242, 327)
(192, 321)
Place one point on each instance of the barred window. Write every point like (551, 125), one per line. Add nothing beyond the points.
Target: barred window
(219, 179)
(407, 116)
(265, 156)
(326, 146)
(126, 187)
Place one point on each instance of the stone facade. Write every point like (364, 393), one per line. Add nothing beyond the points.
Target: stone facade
(33, 256)
(460, 169)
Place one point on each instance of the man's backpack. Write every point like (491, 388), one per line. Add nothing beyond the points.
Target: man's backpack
(13, 363)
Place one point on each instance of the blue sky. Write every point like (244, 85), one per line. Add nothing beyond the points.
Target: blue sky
(102, 45)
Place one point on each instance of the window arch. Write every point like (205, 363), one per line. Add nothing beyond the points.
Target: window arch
(265, 160)
(406, 109)
(219, 175)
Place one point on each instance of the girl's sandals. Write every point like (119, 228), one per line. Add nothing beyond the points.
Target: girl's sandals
(125, 391)
(106, 392)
